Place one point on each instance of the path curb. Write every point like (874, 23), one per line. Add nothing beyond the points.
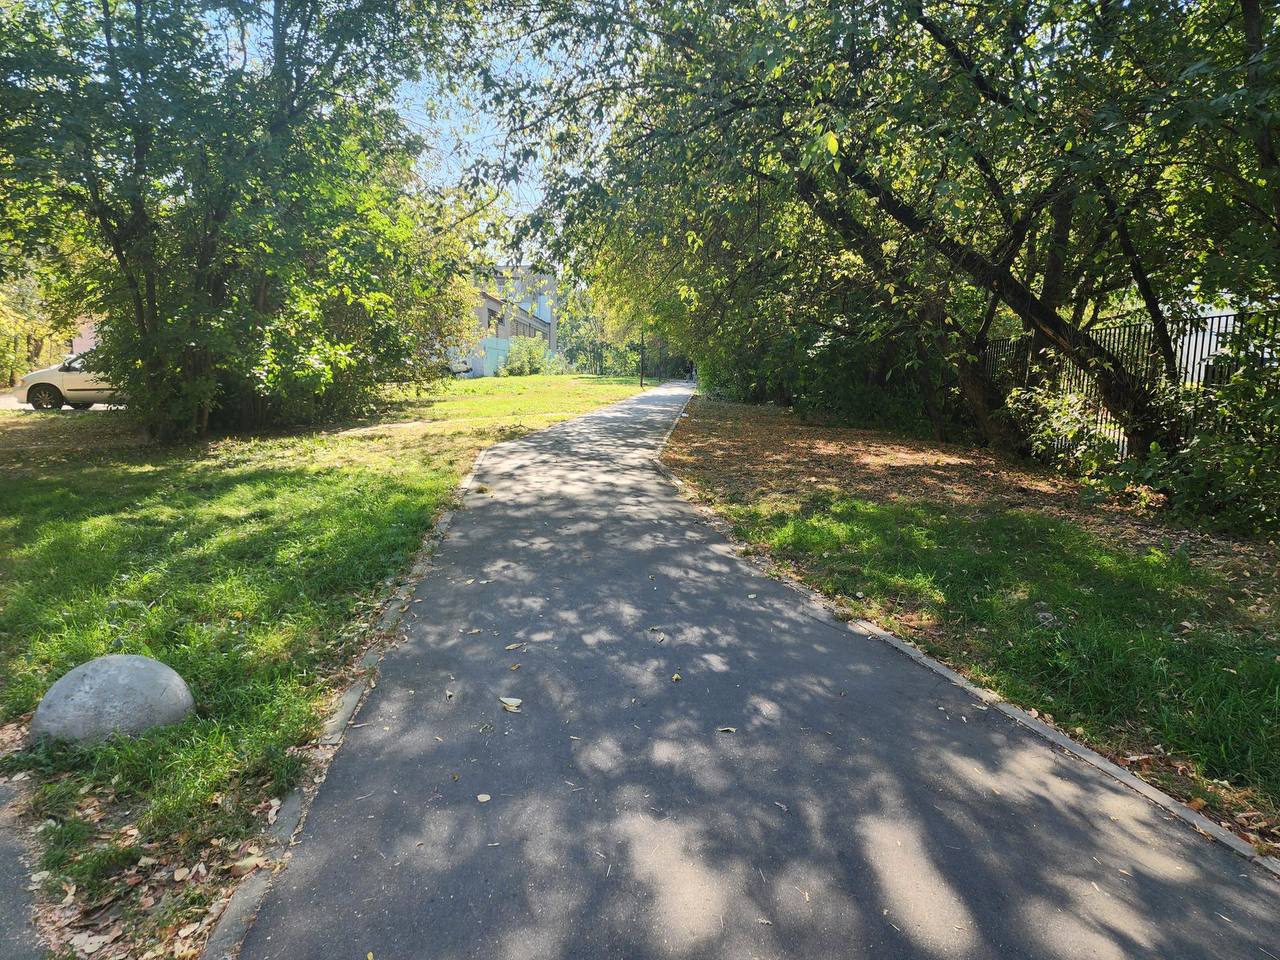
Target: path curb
(868, 630)
(241, 909)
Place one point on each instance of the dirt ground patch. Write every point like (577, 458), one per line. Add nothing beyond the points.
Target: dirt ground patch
(765, 453)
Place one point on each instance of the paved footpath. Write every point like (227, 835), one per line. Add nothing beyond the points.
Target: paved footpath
(863, 807)
(18, 939)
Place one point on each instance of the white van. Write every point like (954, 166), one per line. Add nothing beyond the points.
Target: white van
(67, 383)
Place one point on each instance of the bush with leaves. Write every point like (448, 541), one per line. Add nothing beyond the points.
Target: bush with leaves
(528, 356)
(1228, 472)
(1225, 473)
(1062, 429)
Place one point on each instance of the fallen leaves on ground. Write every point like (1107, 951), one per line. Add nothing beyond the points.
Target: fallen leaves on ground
(768, 459)
(762, 453)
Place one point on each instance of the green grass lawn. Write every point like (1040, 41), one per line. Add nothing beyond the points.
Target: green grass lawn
(1161, 647)
(252, 566)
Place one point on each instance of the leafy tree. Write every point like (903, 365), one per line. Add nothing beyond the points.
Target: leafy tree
(580, 331)
(32, 335)
(244, 191)
(947, 172)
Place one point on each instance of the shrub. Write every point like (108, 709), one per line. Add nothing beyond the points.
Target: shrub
(1226, 473)
(528, 356)
(1229, 472)
(1062, 430)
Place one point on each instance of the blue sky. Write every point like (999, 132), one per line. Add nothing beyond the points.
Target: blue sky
(458, 132)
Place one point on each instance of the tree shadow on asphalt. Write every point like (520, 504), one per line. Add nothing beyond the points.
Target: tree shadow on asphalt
(861, 805)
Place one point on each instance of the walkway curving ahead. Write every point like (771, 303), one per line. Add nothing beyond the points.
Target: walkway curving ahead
(863, 807)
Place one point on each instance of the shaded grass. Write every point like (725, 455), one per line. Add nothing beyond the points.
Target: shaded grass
(248, 565)
(1139, 647)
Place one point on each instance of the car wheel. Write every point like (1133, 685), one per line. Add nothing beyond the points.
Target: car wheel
(45, 396)
(80, 406)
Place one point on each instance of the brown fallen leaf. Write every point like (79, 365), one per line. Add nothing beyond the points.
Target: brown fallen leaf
(242, 868)
(88, 943)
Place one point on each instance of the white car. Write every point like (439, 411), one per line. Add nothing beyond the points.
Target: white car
(67, 383)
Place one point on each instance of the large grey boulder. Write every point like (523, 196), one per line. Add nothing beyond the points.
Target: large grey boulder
(122, 693)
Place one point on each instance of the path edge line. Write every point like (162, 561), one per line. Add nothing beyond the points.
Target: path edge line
(241, 908)
(865, 629)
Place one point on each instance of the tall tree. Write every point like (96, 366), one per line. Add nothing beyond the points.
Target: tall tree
(237, 170)
(1046, 165)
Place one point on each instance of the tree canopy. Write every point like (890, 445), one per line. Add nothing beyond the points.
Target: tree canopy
(915, 178)
(239, 197)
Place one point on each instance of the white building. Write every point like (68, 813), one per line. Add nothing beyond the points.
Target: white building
(518, 303)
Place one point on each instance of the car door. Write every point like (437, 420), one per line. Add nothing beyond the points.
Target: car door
(79, 386)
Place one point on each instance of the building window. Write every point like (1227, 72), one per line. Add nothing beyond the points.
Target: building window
(494, 321)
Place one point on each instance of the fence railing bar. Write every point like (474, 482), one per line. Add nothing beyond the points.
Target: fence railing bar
(1008, 360)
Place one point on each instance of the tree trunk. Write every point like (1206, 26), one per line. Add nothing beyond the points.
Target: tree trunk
(1255, 47)
(933, 409)
(987, 406)
(1142, 279)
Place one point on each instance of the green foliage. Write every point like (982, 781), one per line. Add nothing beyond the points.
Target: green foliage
(1224, 480)
(1062, 429)
(240, 199)
(528, 356)
(833, 379)
(609, 328)
(1228, 473)
(585, 339)
(31, 334)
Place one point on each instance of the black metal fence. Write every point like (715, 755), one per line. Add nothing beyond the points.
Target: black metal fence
(1203, 359)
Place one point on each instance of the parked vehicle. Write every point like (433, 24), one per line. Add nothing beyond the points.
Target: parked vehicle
(68, 383)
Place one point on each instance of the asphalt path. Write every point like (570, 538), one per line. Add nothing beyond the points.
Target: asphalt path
(800, 791)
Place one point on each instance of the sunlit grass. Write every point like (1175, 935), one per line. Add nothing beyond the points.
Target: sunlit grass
(248, 565)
